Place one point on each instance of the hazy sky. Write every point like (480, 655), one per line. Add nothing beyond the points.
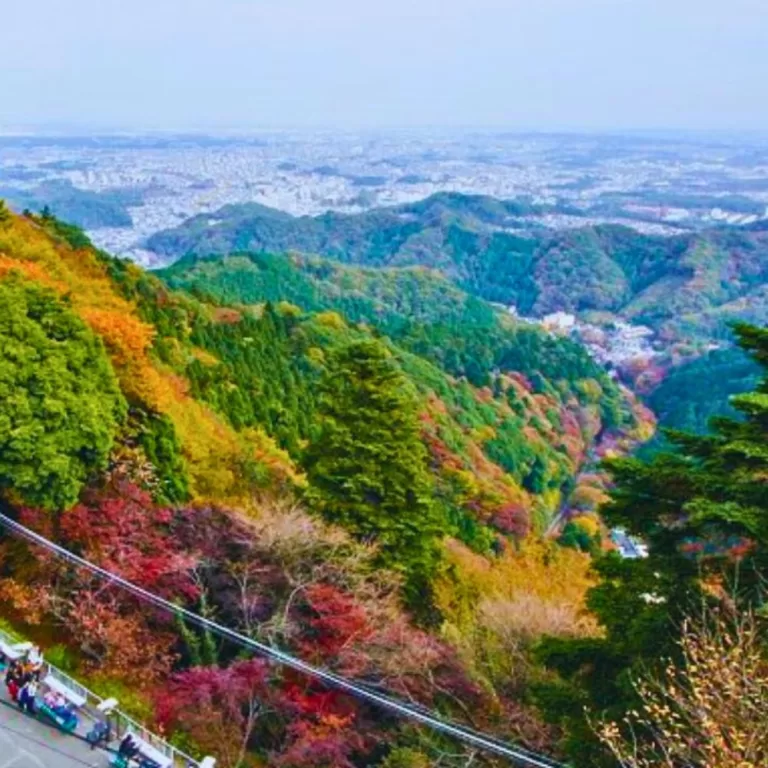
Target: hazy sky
(202, 64)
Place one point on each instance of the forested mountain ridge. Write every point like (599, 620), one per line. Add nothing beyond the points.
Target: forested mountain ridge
(425, 315)
(684, 286)
(374, 236)
(305, 478)
(386, 297)
(85, 208)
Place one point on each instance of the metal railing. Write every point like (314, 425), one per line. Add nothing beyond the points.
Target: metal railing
(120, 722)
(123, 724)
(70, 683)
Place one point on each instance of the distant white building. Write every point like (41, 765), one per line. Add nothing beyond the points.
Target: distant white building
(559, 322)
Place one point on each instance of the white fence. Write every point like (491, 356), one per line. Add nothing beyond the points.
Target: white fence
(121, 723)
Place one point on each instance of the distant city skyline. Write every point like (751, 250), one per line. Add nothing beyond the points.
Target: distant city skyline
(245, 65)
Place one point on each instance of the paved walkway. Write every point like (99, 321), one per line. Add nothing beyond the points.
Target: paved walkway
(28, 743)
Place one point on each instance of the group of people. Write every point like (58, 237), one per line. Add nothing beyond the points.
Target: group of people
(22, 678)
(128, 748)
(59, 705)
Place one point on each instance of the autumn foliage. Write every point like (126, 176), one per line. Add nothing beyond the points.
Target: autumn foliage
(213, 449)
(220, 708)
(195, 491)
(709, 710)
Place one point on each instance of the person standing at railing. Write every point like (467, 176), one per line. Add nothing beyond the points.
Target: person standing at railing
(35, 661)
(27, 695)
(13, 680)
(101, 733)
(128, 747)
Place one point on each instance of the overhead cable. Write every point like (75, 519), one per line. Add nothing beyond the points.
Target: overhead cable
(486, 742)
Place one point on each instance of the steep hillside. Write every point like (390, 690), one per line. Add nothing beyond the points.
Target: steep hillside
(216, 457)
(503, 403)
(686, 287)
(304, 478)
(521, 388)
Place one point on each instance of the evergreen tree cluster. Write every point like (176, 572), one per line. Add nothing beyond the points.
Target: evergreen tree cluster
(703, 510)
(420, 310)
(368, 466)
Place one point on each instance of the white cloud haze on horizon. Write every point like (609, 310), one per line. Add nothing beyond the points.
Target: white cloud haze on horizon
(243, 64)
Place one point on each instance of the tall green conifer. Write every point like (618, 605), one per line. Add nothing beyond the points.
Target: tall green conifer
(368, 467)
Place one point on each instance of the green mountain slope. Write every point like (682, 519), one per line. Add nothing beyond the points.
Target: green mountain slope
(505, 401)
(385, 297)
(446, 232)
(699, 390)
(687, 286)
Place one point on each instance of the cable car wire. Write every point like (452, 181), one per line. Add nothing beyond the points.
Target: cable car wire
(478, 739)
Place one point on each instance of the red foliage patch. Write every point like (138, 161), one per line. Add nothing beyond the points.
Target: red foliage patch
(125, 533)
(512, 519)
(331, 621)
